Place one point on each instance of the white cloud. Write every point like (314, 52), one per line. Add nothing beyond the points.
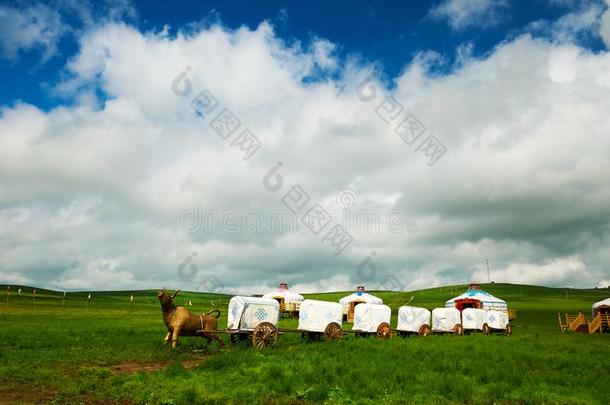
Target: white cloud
(603, 284)
(322, 50)
(40, 27)
(564, 271)
(33, 27)
(582, 22)
(93, 193)
(462, 14)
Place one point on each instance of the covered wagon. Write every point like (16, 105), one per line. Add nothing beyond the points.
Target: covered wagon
(446, 320)
(475, 319)
(321, 318)
(413, 320)
(255, 318)
(372, 318)
(499, 321)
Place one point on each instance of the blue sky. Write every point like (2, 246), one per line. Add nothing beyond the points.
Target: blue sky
(140, 141)
(389, 33)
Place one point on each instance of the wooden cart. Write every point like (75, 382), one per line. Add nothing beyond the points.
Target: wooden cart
(447, 320)
(413, 321)
(497, 321)
(372, 319)
(319, 319)
(254, 319)
(474, 319)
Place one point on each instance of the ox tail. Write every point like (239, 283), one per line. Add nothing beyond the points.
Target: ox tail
(212, 311)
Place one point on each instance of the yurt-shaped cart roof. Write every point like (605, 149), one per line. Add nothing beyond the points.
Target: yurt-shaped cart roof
(284, 293)
(474, 297)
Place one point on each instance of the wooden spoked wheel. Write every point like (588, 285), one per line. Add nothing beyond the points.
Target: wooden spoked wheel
(333, 331)
(485, 329)
(264, 334)
(458, 329)
(509, 330)
(424, 330)
(384, 331)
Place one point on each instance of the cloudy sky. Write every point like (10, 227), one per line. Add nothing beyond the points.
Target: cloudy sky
(228, 148)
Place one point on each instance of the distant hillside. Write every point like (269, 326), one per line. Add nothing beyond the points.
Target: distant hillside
(518, 296)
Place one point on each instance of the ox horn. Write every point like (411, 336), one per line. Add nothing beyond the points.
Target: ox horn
(176, 293)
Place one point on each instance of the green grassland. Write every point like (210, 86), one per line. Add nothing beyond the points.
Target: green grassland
(110, 351)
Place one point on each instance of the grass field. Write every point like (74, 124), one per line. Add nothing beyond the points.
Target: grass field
(108, 350)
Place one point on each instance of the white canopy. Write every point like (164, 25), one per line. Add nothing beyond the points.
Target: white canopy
(497, 319)
(245, 313)
(410, 319)
(360, 296)
(315, 316)
(445, 319)
(368, 317)
(285, 293)
(488, 301)
(602, 303)
(473, 318)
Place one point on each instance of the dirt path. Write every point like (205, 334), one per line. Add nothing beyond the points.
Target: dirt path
(134, 367)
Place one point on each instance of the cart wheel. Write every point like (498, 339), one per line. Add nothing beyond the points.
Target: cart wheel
(333, 331)
(458, 329)
(424, 330)
(264, 334)
(384, 331)
(509, 330)
(485, 329)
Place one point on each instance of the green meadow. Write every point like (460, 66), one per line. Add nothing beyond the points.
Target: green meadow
(108, 350)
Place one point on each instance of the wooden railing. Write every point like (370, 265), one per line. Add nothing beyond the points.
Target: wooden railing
(577, 321)
(562, 326)
(595, 324)
(605, 320)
